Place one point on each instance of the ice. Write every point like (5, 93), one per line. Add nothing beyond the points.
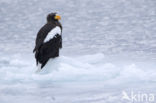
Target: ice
(85, 78)
(108, 47)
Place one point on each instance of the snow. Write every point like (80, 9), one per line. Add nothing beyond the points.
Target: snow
(108, 47)
(88, 78)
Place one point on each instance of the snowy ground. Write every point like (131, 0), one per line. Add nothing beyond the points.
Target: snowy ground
(109, 46)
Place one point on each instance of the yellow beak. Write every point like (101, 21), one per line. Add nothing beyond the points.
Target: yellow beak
(57, 17)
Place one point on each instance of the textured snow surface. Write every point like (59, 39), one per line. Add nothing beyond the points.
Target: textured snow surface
(109, 46)
(85, 79)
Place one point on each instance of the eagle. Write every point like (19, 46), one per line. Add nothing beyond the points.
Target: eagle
(48, 40)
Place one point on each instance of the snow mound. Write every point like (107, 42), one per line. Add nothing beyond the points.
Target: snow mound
(82, 79)
(88, 68)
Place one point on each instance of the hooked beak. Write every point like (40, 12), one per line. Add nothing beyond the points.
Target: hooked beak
(57, 17)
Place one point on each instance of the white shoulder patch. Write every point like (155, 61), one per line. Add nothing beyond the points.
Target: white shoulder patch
(52, 33)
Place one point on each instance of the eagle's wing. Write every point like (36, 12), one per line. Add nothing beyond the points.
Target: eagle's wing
(60, 41)
(41, 36)
(56, 32)
(53, 33)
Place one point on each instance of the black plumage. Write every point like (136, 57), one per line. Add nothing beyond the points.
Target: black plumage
(44, 50)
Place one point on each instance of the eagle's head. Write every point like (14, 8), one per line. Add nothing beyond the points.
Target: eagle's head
(53, 17)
